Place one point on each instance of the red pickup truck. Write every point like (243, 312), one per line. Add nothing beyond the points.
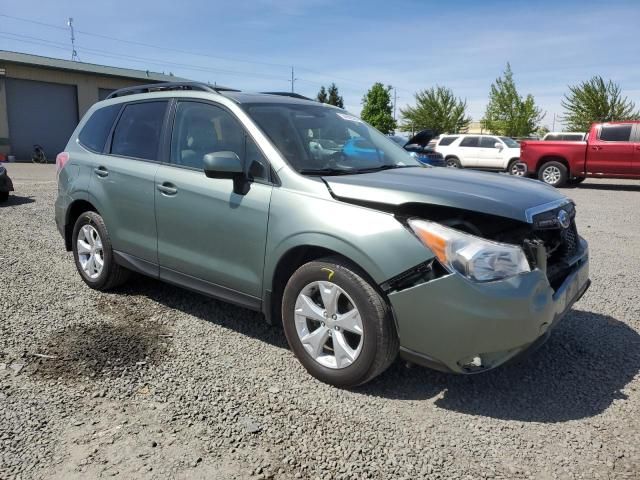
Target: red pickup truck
(611, 150)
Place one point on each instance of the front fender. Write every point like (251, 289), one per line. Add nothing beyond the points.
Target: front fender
(374, 240)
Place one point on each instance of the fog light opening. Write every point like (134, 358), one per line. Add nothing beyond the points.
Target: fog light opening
(472, 363)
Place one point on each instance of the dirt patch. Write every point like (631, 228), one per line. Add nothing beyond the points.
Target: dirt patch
(128, 343)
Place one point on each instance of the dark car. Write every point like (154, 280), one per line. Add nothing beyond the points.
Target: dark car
(6, 185)
(418, 146)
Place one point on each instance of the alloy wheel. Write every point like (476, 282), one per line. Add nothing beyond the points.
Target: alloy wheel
(551, 175)
(518, 172)
(328, 324)
(90, 252)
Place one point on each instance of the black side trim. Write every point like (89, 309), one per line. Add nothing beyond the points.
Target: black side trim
(210, 289)
(137, 264)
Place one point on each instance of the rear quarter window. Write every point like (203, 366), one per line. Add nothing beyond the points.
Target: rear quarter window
(444, 141)
(95, 132)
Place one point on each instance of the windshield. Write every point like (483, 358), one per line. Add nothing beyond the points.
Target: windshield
(510, 142)
(315, 139)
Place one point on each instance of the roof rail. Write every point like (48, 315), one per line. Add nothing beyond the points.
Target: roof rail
(289, 94)
(167, 86)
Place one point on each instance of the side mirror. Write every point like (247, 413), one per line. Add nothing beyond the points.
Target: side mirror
(497, 145)
(222, 165)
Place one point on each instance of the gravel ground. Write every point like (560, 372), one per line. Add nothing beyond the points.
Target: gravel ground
(156, 382)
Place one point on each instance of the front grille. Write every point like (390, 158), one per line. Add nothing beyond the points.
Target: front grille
(561, 245)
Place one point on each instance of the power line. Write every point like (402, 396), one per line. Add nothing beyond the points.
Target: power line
(147, 45)
(218, 57)
(104, 53)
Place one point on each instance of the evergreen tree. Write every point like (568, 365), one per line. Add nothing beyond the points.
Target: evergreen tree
(436, 109)
(507, 112)
(596, 101)
(322, 95)
(377, 108)
(334, 97)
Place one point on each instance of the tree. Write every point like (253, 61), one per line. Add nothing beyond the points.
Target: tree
(436, 109)
(322, 95)
(596, 101)
(377, 108)
(334, 97)
(541, 131)
(507, 112)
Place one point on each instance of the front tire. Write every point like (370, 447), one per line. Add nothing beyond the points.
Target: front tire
(554, 174)
(337, 324)
(4, 196)
(93, 253)
(453, 162)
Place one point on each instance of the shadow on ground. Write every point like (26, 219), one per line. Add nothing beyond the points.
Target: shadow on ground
(609, 186)
(230, 316)
(578, 373)
(15, 200)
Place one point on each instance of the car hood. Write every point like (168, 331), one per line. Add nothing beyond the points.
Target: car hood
(490, 193)
(422, 138)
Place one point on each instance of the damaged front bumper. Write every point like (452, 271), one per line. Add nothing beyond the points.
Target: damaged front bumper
(453, 324)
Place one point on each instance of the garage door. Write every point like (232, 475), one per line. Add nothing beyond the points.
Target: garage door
(40, 113)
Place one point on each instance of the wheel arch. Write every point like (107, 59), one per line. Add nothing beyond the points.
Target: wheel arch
(295, 257)
(551, 158)
(76, 208)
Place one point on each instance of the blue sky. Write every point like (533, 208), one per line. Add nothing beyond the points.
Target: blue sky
(411, 45)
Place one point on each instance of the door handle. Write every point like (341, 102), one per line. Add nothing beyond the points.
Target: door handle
(101, 171)
(167, 188)
(596, 147)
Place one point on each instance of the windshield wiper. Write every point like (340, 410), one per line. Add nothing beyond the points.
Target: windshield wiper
(325, 171)
(382, 167)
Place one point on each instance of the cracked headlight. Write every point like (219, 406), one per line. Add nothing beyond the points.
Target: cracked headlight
(474, 257)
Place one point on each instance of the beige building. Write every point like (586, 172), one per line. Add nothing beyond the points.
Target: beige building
(42, 99)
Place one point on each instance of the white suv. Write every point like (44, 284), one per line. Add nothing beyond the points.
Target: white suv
(480, 151)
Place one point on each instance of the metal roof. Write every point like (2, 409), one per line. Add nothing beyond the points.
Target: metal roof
(59, 64)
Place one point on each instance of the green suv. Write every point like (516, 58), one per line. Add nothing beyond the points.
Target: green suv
(309, 215)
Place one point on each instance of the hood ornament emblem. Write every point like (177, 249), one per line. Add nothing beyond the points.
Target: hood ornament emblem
(563, 219)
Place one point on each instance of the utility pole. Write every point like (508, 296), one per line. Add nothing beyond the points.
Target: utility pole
(74, 53)
(395, 100)
(553, 128)
(293, 80)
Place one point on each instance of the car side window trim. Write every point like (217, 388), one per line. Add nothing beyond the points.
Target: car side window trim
(109, 142)
(272, 180)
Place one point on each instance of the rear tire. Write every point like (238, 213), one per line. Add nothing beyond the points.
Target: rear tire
(553, 173)
(93, 253)
(576, 180)
(453, 162)
(511, 168)
(4, 196)
(370, 351)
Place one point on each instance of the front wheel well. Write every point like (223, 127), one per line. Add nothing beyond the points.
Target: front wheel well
(289, 263)
(76, 209)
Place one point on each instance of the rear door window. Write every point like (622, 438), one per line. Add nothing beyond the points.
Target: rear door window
(95, 132)
(470, 142)
(488, 142)
(616, 133)
(138, 131)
